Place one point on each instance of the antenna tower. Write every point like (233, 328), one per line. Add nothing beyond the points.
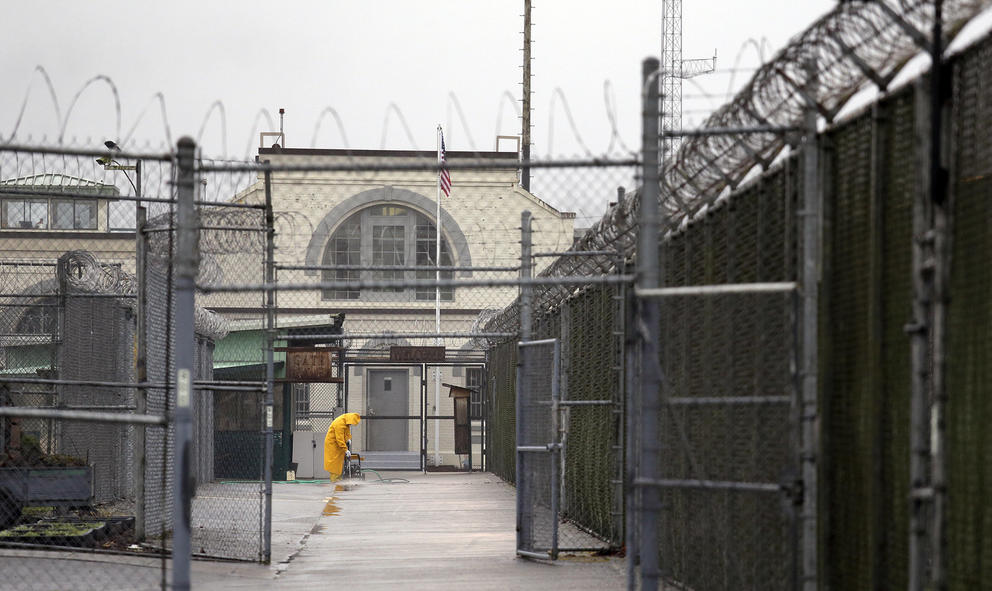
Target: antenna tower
(674, 70)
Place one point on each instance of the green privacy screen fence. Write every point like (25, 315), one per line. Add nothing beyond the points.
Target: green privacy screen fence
(871, 165)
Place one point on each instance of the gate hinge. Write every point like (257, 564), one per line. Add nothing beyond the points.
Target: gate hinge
(795, 490)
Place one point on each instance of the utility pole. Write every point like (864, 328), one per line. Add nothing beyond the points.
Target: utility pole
(525, 131)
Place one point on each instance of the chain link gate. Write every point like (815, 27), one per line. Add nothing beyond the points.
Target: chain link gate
(729, 439)
(538, 448)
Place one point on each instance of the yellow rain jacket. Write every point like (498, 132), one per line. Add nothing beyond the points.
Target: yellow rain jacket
(336, 443)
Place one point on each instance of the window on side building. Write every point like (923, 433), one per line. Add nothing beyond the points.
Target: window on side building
(74, 214)
(24, 213)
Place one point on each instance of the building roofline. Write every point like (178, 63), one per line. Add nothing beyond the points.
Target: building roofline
(383, 153)
(54, 179)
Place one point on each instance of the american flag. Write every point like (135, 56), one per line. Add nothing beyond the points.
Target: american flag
(445, 177)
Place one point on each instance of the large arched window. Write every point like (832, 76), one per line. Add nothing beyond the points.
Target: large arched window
(384, 236)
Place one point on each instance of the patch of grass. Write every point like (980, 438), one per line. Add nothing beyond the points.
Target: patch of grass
(51, 530)
(40, 511)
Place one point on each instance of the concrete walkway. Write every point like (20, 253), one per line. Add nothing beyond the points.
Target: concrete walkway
(408, 531)
(397, 530)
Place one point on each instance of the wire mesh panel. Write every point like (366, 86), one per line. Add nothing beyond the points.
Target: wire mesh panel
(969, 354)
(245, 437)
(728, 433)
(537, 451)
(591, 420)
(728, 428)
(89, 346)
(76, 437)
(500, 437)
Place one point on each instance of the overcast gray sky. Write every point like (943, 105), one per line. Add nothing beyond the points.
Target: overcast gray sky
(359, 58)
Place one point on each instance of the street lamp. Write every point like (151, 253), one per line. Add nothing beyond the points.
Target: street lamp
(141, 337)
(108, 163)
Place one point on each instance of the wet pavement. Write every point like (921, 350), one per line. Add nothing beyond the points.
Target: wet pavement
(406, 530)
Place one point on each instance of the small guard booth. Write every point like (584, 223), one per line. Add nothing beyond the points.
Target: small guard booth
(462, 396)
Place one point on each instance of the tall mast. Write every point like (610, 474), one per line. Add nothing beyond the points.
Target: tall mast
(525, 123)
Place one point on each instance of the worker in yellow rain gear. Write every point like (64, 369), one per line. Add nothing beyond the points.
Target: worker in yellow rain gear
(336, 443)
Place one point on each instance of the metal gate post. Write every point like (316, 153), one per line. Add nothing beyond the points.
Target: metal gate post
(810, 284)
(141, 369)
(649, 325)
(940, 95)
(423, 418)
(619, 402)
(525, 294)
(630, 442)
(270, 309)
(556, 447)
(928, 331)
(187, 255)
(919, 346)
(561, 413)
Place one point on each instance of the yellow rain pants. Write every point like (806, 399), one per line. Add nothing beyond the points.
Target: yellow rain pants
(336, 443)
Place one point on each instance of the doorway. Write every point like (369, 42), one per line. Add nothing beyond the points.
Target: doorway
(389, 398)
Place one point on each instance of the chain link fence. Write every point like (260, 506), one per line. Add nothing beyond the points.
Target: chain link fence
(792, 417)
(84, 466)
(969, 353)
(579, 299)
(229, 510)
(869, 495)
(357, 275)
(88, 362)
(736, 501)
(538, 460)
(729, 411)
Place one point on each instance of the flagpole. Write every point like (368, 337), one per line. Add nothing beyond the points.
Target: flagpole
(437, 308)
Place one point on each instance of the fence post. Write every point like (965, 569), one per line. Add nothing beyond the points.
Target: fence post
(649, 324)
(631, 453)
(269, 365)
(919, 347)
(620, 400)
(187, 255)
(876, 373)
(525, 295)
(141, 372)
(526, 266)
(562, 413)
(940, 197)
(809, 416)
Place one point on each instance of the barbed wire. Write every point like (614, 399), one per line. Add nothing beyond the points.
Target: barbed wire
(706, 167)
(75, 99)
(219, 106)
(165, 120)
(337, 119)
(218, 110)
(453, 101)
(82, 273)
(504, 98)
(27, 95)
(834, 45)
(394, 108)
